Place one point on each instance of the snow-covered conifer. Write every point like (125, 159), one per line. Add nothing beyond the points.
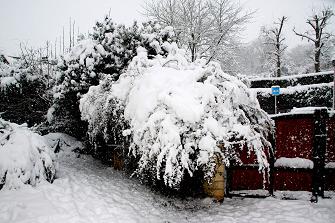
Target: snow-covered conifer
(108, 51)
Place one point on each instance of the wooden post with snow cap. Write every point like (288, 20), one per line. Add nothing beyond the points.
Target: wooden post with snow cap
(319, 153)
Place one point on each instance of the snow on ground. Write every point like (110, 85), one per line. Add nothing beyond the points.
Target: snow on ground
(87, 191)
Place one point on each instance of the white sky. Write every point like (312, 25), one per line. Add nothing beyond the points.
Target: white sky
(36, 21)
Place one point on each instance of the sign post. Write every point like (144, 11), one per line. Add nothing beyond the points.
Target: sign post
(275, 90)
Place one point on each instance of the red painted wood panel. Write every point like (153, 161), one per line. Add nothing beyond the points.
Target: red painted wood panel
(294, 180)
(294, 137)
(330, 179)
(247, 179)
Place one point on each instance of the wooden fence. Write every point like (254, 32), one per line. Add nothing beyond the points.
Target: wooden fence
(308, 138)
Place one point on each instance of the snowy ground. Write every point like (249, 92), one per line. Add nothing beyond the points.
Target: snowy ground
(87, 191)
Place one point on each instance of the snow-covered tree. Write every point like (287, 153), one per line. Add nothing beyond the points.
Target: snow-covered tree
(207, 29)
(177, 117)
(276, 45)
(108, 51)
(318, 34)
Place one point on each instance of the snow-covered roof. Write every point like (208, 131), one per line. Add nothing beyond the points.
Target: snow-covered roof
(8, 59)
(3, 59)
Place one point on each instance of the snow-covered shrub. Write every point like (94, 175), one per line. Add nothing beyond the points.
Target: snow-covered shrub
(23, 91)
(25, 158)
(108, 51)
(178, 117)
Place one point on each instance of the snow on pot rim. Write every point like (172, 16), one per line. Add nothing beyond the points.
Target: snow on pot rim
(178, 112)
(25, 158)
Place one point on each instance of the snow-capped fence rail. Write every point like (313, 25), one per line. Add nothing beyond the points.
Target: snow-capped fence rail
(304, 155)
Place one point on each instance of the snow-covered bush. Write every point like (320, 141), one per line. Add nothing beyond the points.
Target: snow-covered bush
(178, 117)
(25, 158)
(23, 91)
(108, 51)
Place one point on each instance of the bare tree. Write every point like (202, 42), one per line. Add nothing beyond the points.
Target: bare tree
(204, 27)
(274, 38)
(318, 35)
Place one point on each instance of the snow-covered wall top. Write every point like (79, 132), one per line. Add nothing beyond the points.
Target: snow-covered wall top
(293, 76)
(315, 95)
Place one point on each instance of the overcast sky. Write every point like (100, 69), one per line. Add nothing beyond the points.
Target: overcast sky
(36, 21)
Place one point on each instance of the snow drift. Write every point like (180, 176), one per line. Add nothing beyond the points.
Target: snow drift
(25, 158)
(176, 114)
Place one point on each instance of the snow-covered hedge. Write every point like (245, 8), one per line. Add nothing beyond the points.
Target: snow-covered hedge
(25, 158)
(293, 80)
(175, 115)
(315, 95)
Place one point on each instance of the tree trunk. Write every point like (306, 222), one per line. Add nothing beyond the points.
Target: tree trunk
(193, 53)
(317, 48)
(278, 60)
(193, 48)
(317, 57)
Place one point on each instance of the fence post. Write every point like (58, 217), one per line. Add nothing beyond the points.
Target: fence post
(271, 164)
(228, 180)
(319, 150)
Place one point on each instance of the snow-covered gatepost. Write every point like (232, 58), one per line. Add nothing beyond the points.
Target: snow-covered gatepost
(174, 114)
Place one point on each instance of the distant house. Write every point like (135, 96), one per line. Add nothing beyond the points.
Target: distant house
(3, 59)
(8, 59)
